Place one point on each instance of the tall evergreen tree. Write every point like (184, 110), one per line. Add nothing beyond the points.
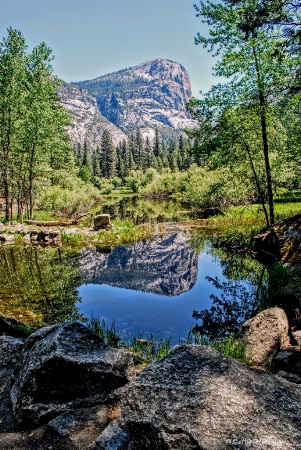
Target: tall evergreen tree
(156, 144)
(87, 158)
(109, 157)
(96, 162)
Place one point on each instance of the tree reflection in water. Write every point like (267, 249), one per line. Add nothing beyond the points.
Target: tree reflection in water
(241, 297)
(39, 284)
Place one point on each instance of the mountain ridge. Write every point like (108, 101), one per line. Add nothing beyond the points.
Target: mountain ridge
(150, 95)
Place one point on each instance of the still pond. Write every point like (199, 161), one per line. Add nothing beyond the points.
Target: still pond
(153, 286)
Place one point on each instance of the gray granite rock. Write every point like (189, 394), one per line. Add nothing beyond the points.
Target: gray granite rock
(114, 437)
(264, 335)
(77, 429)
(196, 398)
(10, 351)
(63, 367)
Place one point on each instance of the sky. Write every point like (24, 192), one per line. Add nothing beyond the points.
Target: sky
(90, 38)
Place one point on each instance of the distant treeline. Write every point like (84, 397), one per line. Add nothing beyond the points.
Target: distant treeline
(134, 153)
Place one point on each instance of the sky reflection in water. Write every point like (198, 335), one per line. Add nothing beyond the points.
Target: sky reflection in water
(135, 311)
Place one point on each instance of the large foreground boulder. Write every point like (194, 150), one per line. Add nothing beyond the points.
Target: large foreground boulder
(264, 335)
(63, 367)
(196, 398)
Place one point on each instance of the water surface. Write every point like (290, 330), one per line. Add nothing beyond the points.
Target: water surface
(150, 286)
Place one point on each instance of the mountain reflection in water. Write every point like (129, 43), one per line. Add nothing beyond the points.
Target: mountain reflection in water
(150, 286)
(164, 266)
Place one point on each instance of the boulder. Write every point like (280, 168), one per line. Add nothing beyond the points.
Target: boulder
(196, 398)
(63, 367)
(102, 221)
(264, 335)
(297, 337)
(280, 242)
(7, 238)
(77, 429)
(10, 351)
(288, 361)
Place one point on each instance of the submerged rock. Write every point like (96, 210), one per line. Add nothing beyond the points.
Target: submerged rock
(196, 398)
(63, 367)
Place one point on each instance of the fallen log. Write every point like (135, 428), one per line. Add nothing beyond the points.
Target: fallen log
(53, 223)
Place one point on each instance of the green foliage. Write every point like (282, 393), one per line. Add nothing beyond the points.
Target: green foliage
(26, 330)
(242, 120)
(147, 349)
(232, 347)
(228, 346)
(84, 173)
(34, 147)
(107, 333)
(72, 196)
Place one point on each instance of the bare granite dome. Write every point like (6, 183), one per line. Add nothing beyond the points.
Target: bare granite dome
(150, 95)
(87, 122)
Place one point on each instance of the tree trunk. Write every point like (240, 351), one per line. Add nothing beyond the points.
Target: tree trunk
(264, 136)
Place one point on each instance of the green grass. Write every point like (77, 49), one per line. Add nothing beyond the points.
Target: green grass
(147, 349)
(125, 232)
(229, 346)
(74, 238)
(246, 221)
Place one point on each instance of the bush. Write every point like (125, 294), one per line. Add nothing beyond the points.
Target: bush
(74, 197)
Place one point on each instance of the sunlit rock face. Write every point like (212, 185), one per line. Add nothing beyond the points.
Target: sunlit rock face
(86, 120)
(164, 266)
(150, 95)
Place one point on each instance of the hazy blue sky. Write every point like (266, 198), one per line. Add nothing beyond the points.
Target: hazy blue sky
(94, 37)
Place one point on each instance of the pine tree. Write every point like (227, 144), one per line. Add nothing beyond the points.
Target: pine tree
(109, 157)
(96, 162)
(87, 159)
(138, 148)
(156, 144)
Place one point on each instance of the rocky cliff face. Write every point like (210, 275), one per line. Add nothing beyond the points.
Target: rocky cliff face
(163, 266)
(87, 122)
(150, 95)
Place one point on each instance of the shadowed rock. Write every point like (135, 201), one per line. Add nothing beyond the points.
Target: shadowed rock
(208, 212)
(12, 327)
(280, 242)
(196, 398)
(63, 367)
(10, 351)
